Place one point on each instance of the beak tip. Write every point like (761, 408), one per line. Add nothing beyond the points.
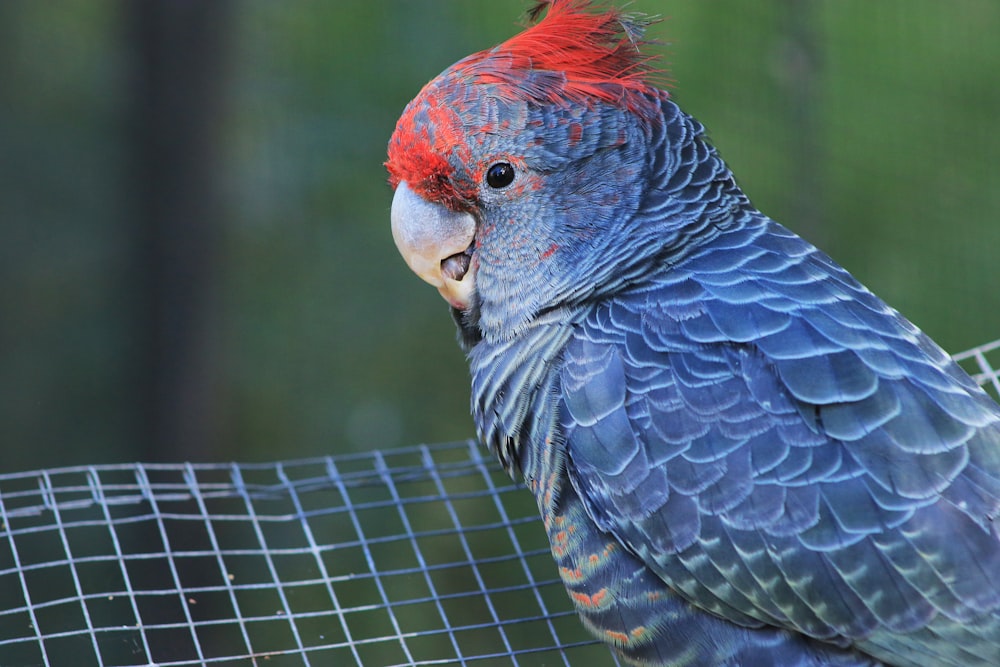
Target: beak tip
(458, 293)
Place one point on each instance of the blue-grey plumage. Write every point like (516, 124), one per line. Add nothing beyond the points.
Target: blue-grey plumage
(741, 455)
(791, 482)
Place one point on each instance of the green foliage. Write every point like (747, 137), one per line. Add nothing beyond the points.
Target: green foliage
(883, 138)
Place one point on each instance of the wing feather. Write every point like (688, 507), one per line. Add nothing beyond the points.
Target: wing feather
(799, 457)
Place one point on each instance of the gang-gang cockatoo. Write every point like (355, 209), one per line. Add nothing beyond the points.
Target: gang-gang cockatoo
(741, 455)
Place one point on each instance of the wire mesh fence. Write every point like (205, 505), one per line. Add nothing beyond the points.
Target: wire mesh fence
(418, 556)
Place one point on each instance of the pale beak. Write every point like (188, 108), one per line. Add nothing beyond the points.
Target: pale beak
(436, 243)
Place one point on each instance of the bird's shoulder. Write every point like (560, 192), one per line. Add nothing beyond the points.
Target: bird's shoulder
(753, 418)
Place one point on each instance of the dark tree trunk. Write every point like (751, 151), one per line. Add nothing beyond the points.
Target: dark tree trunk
(178, 52)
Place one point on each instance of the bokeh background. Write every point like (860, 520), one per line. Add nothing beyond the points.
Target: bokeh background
(195, 257)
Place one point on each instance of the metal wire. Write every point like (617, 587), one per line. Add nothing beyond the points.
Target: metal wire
(427, 555)
(420, 556)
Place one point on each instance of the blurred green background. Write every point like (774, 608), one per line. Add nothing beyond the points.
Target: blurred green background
(196, 259)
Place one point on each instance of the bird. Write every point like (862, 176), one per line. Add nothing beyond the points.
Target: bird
(739, 453)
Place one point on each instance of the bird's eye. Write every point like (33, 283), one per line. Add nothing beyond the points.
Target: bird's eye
(500, 175)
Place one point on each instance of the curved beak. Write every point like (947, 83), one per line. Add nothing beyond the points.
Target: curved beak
(436, 243)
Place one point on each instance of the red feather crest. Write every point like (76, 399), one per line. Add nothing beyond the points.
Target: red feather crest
(575, 53)
(596, 53)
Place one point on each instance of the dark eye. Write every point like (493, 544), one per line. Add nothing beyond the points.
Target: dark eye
(500, 175)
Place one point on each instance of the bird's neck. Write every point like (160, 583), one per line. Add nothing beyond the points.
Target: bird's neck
(514, 390)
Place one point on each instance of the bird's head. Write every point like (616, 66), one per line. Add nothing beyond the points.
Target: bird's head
(516, 166)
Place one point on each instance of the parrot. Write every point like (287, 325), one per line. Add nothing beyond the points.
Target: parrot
(740, 454)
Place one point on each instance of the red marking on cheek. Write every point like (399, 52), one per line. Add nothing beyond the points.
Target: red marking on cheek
(552, 249)
(517, 192)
